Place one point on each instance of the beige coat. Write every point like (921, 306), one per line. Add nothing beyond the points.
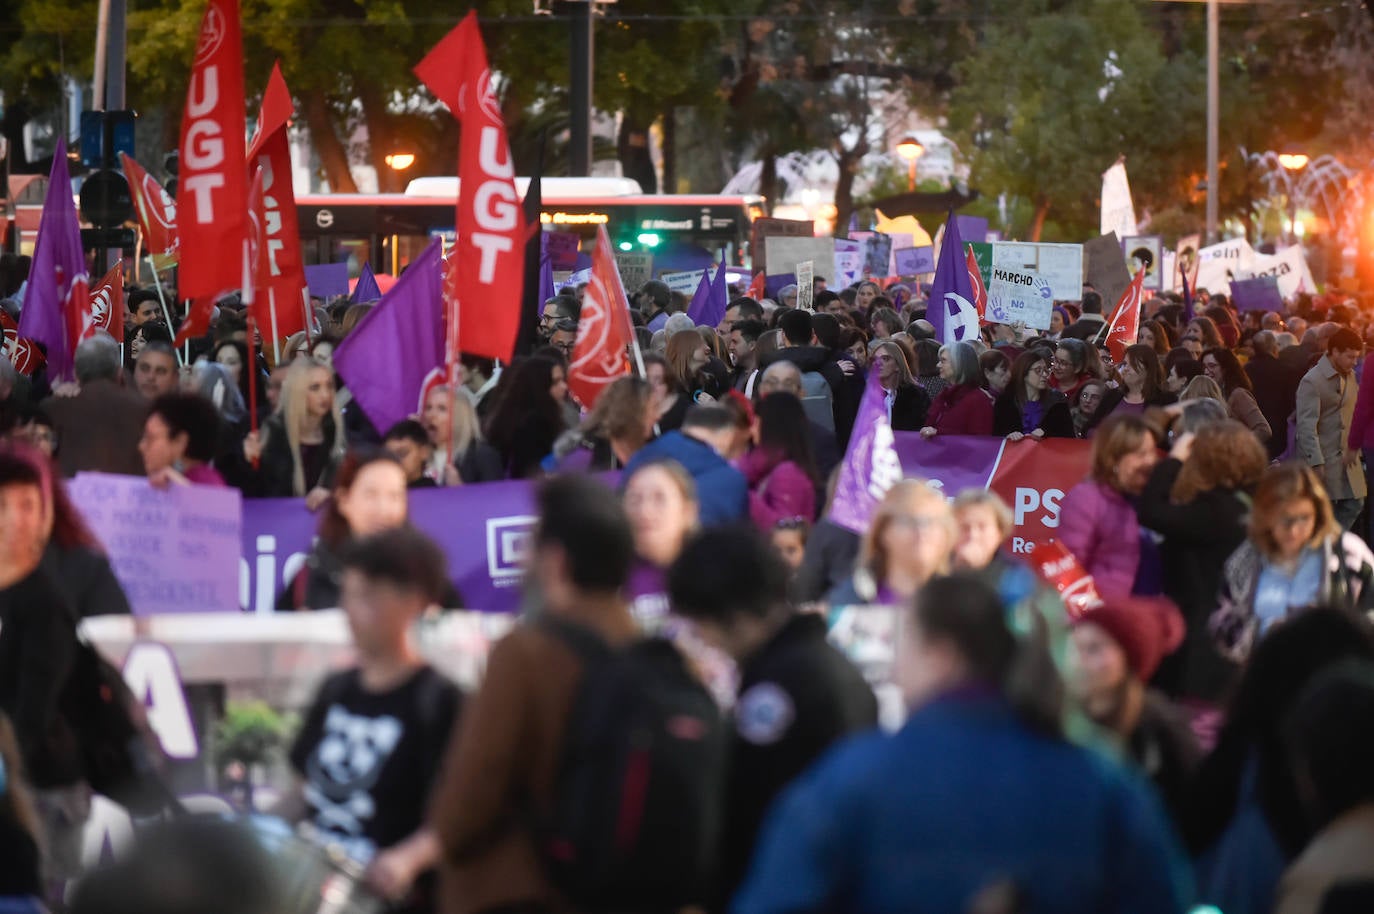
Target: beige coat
(1340, 853)
(1326, 406)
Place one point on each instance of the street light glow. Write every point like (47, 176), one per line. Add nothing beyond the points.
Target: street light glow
(910, 148)
(400, 161)
(1293, 161)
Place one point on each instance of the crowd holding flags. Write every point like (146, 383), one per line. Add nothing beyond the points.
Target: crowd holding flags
(604, 334)
(1123, 327)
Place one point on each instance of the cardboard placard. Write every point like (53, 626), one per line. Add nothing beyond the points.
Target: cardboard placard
(635, 270)
(785, 253)
(1060, 265)
(685, 282)
(849, 262)
(806, 285)
(1146, 252)
(763, 229)
(1019, 296)
(1106, 269)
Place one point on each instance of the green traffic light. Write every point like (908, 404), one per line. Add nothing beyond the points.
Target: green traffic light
(649, 240)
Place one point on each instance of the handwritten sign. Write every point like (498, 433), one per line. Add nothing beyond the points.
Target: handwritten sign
(1061, 265)
(1019, 296)
(806, 286)
(685, 282)
(635, 270)
(914, 261)
(562, 248)
(172, 550)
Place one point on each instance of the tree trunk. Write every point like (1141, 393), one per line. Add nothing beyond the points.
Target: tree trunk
(632, 148)
(333, 155)
(380, 142)
(1042, 209)
(768, 177)
(849, 160)
(670, 150)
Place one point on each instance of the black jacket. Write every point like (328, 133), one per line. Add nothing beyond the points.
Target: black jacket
(1198, 539)
(910, 409)
(37, 650)
(1057, 421)
(831, 551)
(87, 581)
(798, 696)
(1114, 396)
(1276, 392)
(275, 475)
(846, 381)
(479, 463)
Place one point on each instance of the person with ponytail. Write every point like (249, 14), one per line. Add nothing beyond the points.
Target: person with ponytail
(979, 795)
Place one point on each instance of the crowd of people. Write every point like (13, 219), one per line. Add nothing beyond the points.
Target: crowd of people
(1199, 735)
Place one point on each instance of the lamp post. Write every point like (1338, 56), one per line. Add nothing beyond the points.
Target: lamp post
(1293, 163)
(910, 149)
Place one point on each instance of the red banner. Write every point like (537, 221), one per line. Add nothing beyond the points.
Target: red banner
(485, 277)
(212, 185)
(280, 278)
(157, 215)
(604, 331)
(1032, 478)
(107, 305)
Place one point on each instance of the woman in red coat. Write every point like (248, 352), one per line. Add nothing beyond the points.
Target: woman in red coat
(963, 407)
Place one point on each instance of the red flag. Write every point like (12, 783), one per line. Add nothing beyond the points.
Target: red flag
(157, 215)
(26, 357)
(107, 305)
(212, 185)
(281, 277)
(980, 288)
(758, 286)
(603, 331)
(1124, 326)
(486, 271)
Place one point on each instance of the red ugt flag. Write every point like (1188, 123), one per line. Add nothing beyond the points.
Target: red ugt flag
(157, 215)
(603, 333)
(1124, 327)
(107, 305)
(280, 280)
(486, 270)
(212, 188)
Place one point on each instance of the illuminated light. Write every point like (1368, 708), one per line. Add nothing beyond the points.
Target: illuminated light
(626, 246)
(400, 161)
(910, 148)
(575, 218)
(1293, 161)
(649, 239)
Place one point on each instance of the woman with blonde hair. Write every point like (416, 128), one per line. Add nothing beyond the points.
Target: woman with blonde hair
(910, 540)
(1296, 557)
(299, 448)
(21, 831)
(1197, 499)
(686, 356)
(461, 455)
(1204, 388)
(621, 422)
(661, 503)
(908, 405)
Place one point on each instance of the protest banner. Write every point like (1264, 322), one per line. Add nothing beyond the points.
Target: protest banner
(1106, 268)
(1220, 263)
(327, 280)
(1060, 265)
(1145, 252)
(685, 282)
(785, 253)
(763, 229)
(1288, 267)
(806, 285)
(1118, 212)
(635, 270)
(573, 280)
(563, 249)
(171, 549)
(1019, 296)
(849, 262)
(1260, 293)
(914, 261)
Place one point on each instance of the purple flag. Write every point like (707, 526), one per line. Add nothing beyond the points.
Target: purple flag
(546, 289)
(871, 465)
(326, 280)
(366, 290)
(711, 299)
(952, 310)
(387, 357)
(58, 292)
(1187, 300)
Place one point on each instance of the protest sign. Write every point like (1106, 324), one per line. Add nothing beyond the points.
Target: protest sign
(849, 262)
(914, 261)
(806, 285)
(1260, 293)
(573, 280)
(1019, 296)
(685, 282)
(1186, 262)
(1106, 270)
(1060, 265)
(877, 255)
(635, 270)
(1289, 267)
(773, 285)
(785, 253)
(326, 280)
(763, 229)
(563, 249)
(1145, 252)
(1220, 263)
(982, 253)
(171, 549)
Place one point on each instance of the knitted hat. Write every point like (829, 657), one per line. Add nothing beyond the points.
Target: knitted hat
(1147, 629)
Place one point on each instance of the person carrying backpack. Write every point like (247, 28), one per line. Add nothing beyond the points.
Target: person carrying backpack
(798, 695)
(586, 767)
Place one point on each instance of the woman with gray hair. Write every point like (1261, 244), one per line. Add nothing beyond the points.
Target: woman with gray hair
(962, 407)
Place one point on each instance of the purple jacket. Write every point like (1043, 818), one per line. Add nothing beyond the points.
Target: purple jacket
(778, 490)
(1099, 526)
(1362, 425)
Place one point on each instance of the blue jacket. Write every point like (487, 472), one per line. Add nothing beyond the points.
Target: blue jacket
(965, 797)
(721, 489)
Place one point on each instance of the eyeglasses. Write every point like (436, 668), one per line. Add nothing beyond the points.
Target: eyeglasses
(1039, 368)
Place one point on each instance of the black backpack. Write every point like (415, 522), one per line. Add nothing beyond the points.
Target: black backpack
(636, 820)
(119, 755)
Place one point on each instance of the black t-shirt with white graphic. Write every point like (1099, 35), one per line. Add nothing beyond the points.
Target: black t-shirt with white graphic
(369, 759)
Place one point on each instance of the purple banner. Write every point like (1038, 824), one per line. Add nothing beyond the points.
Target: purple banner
(482, 529)
(951, 463)
(327, 280)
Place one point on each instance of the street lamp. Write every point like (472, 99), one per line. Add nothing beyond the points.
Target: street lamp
(910, 149)
(1293, 162)
(400, 161)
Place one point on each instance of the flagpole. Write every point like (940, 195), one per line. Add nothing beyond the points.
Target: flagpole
(276, 337)
(166, 314)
